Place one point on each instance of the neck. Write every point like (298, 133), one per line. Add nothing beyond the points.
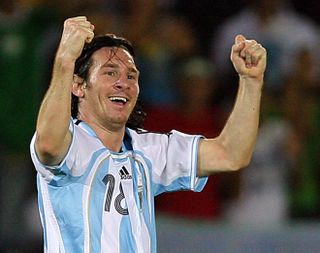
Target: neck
(110, 136)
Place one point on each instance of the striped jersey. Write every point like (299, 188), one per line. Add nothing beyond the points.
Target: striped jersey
(99, 201)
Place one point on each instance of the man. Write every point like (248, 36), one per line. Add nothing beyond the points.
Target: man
(96, 177)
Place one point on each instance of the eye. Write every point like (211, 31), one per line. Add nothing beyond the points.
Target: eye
(111, 73)
(132, 76)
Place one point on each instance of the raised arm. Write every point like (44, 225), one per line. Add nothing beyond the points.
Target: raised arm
(52, 135)
(233, 148)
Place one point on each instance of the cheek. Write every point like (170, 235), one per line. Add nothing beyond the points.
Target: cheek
(135, 95)
(135, 90)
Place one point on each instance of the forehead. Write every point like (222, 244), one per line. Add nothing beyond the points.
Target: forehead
(113, 54)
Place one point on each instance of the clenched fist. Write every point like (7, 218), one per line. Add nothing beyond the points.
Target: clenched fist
(248, 58)
(76, 32)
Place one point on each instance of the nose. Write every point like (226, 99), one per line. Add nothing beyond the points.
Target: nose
(121, 83)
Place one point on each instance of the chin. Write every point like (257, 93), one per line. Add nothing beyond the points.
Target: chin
(120, 121)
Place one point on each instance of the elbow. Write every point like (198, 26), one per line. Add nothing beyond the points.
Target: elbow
(235, 158)
(239, 163)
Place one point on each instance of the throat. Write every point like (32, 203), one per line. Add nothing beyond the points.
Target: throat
(112, 142)
(111, 135)
(111, 139)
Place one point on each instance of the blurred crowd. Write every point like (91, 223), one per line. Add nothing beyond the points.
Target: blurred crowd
(187, 83)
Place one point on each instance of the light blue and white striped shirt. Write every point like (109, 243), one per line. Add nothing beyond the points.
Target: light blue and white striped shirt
(99, 201)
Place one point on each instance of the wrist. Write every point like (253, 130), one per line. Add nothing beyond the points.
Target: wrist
(254, 80)
(64, 61)
(258, 78)
(252, 83)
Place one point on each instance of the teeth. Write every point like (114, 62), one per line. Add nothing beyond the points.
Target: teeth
(118, 99)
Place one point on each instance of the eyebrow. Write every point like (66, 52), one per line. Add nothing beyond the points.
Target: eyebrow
(116, 66)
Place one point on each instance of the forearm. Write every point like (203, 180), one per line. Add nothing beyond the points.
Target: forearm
(242, 126)
(233, 148)
(55, 111)
(53, 136)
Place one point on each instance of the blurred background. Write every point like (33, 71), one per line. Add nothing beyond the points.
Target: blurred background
(187, 83)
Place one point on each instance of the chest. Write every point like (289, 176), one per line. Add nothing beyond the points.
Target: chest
(119, 186)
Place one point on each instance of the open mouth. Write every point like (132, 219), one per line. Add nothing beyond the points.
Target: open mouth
(118, 100)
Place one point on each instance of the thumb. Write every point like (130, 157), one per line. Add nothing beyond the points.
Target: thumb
(239, 38)
(238, 43)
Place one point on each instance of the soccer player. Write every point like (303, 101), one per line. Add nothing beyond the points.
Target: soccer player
(98, 171)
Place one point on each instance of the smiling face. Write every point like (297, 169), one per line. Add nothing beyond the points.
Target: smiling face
(109, 95)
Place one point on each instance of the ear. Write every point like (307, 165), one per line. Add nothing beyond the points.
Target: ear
(78, 86)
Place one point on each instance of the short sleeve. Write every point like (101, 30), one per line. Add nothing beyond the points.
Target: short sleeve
(176, 168)
(74, 163)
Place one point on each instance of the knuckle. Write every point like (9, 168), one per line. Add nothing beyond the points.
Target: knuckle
(69, 20)
(254, 55)
(69, 23)
(66, 22)
(250, 51)
(250, 42)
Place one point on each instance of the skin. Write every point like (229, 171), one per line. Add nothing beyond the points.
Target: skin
(233, 148)
(53, 137)
(112, 74)
(118, 76)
